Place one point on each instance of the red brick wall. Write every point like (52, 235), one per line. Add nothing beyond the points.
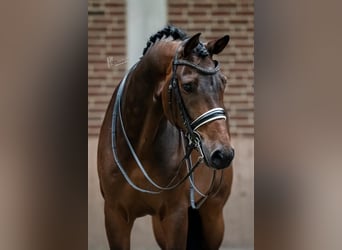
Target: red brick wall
(106, 37)
(214, 18)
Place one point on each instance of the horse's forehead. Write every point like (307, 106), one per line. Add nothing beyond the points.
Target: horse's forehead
(206, 63)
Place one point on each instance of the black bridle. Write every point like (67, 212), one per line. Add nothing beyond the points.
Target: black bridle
(191, 125)
(192, 137)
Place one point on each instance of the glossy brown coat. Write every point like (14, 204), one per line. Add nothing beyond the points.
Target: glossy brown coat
(156, 138)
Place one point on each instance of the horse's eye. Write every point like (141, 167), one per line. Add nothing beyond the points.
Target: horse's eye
(187, 87)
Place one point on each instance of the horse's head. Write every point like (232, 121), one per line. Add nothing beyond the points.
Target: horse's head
(193, 100)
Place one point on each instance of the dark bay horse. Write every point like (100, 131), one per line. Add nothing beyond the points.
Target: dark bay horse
(164, 147)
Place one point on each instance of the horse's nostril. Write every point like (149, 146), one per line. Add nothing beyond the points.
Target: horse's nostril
(221, 158)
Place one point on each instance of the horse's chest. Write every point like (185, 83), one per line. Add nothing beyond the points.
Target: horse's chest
(146, 204)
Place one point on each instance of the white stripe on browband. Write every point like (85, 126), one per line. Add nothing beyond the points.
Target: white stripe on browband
(209, 120)
(214, 109)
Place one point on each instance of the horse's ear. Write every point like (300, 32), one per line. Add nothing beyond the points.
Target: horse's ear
(216, 46)
(191, 44)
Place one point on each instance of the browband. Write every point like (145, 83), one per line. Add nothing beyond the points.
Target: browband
(197, 67)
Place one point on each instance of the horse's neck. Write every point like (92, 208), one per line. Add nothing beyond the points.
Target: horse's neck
(143, 113)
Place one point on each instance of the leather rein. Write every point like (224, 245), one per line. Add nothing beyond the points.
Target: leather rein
(190, 137)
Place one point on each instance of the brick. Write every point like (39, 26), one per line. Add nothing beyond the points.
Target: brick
(197, 13)
(114, 4)
(96, 13)
(247, 13)
(178, 5)
(226, 5)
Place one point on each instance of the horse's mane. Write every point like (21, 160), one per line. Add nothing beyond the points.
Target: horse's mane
(176, 34)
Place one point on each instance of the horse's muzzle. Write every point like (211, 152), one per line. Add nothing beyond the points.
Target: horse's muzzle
(221, 158)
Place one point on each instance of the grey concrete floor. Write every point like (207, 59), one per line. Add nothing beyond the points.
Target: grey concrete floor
(239, 210)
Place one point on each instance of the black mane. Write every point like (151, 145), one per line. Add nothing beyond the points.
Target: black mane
(176, 34)
(168, 31)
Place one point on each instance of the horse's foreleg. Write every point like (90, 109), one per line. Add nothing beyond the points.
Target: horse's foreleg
(118, 228)
(170, 230)
(213, 229)
(158, 231)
